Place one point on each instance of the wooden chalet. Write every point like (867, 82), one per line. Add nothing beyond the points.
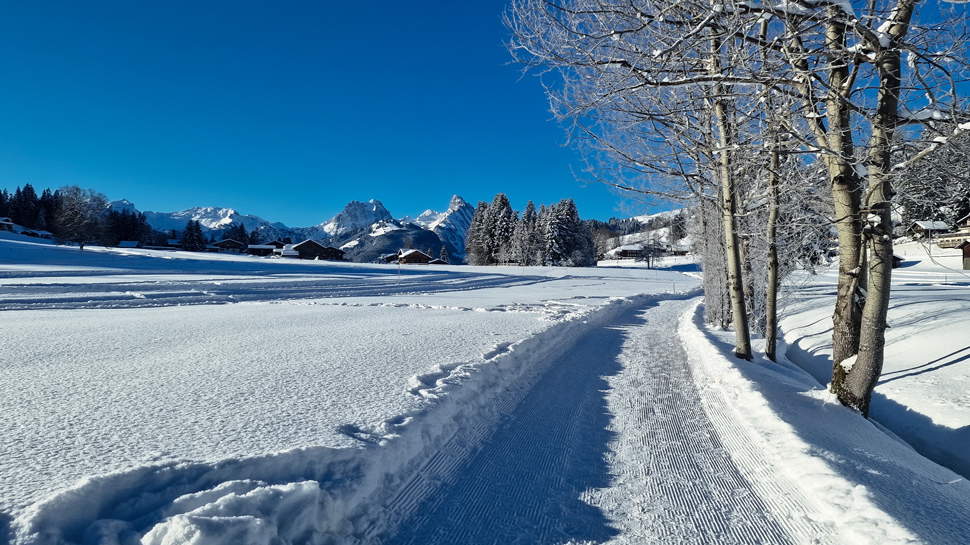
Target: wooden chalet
(629, 251)
(6, 224)
(437, 262)
(406, 257)
(923, 229)
(229, 245)
(953, 240)
(261, 250)
(310, 249)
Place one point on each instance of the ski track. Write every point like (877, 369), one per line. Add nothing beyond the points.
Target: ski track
(612, 444)
(171, 293)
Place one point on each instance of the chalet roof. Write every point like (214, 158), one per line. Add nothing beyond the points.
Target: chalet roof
(403, 253)
(963, 244)
(630, 248)
(932, 225)
(262, 247)
(438, 262)
(964, 219)
(228, 241)
(6, 220)
(174, 242)
(308, 242)
(128, 244)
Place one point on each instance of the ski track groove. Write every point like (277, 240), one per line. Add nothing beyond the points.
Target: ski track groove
(602, 422)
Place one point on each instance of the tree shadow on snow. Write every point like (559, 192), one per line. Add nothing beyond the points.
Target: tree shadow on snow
(524, 485)
(928, 500)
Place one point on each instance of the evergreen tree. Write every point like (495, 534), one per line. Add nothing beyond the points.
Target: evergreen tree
(253, 238)
(194, 239)
(502, 225)
(475, 243)
(4, 203)
(525, 239)
(29, 207)
(443, 255)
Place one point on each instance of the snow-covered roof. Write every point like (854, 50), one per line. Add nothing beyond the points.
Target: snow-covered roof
(128, 244)
(6, 220)
(262, 247)
(405, 253)
(932, 225)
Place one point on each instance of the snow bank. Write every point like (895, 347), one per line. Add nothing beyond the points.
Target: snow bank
(851, 477)
(325, 495)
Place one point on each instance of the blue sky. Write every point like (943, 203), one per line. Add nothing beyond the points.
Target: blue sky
(283, 110)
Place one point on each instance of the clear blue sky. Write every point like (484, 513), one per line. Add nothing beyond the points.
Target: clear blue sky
(285, 110)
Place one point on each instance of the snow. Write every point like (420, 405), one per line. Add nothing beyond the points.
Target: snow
(922, 395)
(166, 397)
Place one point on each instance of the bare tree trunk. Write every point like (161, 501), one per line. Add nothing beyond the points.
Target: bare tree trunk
(846, 193)
(771, 303)
(739, 315)
(864, 374)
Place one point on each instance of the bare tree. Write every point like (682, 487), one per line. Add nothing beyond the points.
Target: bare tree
(669, 92)
(79, 217)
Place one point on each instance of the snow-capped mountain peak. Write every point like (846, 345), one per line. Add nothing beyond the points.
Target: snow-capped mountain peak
(123, 204)
(452, 226)
(356, 215)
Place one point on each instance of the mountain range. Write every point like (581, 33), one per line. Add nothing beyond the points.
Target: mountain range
(365, 230)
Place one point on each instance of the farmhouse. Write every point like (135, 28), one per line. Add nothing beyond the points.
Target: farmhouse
(405, 257)
(229, 245)
(629, 251)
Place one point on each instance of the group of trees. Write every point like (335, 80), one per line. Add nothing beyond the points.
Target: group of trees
(73, 214)
(25, 208)
(552, 235)
(769, 119)
(936, 190)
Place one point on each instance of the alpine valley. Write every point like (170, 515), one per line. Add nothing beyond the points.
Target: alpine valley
(364, 230)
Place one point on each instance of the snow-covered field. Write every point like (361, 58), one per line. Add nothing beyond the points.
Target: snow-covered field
(167, 397)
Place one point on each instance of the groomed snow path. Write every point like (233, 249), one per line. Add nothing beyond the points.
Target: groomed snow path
(612, 444)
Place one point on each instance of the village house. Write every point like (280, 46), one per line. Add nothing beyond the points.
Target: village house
(229, 245)
(263, 250)
(310, 249)
(406, 257)
(953, 240)
(6, 224)
(38, 233)
(924, 229)
(629, 251)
